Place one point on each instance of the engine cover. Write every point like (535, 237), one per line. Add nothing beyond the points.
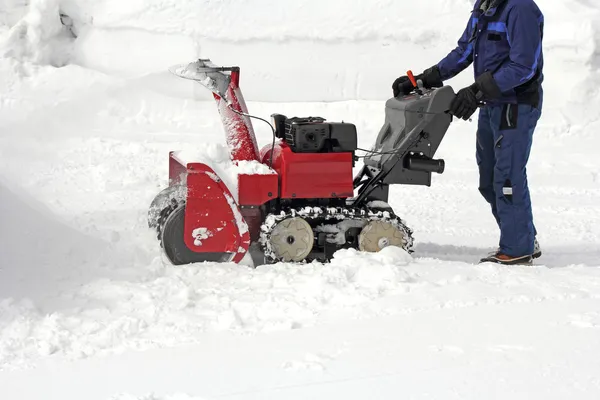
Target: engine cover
(314, 135)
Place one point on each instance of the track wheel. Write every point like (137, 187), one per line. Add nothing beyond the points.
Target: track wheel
(174, 246)
(292, 240)
(168, 199)
(377, 235)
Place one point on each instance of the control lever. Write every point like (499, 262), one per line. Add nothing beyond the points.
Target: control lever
(418, 85)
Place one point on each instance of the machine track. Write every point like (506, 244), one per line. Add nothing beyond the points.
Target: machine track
(362, 228)
(163, 205)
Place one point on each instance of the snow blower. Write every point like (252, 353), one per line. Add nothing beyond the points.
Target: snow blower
(304, 203)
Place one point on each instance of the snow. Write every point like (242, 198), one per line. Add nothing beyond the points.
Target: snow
(200, 234)
(178, 396)
(378, 204)
(239, 220)
(194, 301)
(336, 233)
(252, 168)
(88, 307)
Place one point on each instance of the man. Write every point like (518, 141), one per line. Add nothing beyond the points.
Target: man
(503, 40)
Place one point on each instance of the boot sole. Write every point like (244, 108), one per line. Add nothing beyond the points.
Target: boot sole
(520, 261)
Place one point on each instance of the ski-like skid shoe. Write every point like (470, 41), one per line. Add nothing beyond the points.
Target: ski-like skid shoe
(508, 260)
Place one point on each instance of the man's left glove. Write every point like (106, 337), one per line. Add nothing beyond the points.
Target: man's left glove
(465, 103)
(402, 85)
(431, 78)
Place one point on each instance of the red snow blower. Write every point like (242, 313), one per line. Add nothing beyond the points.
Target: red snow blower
(305, 204)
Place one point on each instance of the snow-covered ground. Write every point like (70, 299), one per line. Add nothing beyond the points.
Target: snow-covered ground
(88, 308)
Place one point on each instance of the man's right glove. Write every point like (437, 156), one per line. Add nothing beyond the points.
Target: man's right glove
(468, 99)
(465, 103)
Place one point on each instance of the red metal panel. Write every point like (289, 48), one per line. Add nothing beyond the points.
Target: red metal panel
(256, 190)
(177, 170)
(213, 221)
(313, 175)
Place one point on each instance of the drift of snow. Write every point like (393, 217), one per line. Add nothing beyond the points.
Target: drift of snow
(154, 397)
(195, 300)
(40, 36)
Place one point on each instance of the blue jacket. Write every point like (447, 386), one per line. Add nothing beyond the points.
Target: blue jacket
(505, 44)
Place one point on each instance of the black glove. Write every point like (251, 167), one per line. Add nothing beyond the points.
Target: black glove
(402, 85)
(430, 77)
(465, 103)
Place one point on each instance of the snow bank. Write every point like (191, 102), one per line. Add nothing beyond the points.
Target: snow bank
(131, 52)
(41, 36)
(270, 20)
(176, 306)
(154, 397)
(37, 248)
(596, 41)
(572, 73)
(344, 51)
(12, 12)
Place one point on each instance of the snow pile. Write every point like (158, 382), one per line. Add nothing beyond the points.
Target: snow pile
(19, 324)
(12, 12)
(335, 21)
(42, 36)
(178, 396)
(596, 54)
(38, 249)
(177, 305)
(571, 48)
(174, 306)
(349, 52)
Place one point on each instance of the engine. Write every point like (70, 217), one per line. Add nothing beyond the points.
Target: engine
(315, 135)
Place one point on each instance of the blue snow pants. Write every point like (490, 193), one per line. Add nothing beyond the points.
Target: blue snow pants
(504, 138)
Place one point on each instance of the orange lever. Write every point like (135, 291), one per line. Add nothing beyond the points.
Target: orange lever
(412, 78)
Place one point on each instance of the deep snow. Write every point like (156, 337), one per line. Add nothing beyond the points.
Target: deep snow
(88, 309)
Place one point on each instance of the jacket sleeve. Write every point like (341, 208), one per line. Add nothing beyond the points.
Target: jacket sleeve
(461, 57)
(525, 40)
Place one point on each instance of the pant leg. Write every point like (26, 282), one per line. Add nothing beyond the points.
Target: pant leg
(486, 159)
(513, 138)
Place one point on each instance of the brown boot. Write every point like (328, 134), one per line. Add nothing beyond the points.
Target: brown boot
(537, 251)
(499, 258)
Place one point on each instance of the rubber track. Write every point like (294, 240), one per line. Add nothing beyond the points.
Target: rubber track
(317, 215)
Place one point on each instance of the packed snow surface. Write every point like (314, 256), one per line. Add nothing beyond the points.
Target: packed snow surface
(89, 309)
